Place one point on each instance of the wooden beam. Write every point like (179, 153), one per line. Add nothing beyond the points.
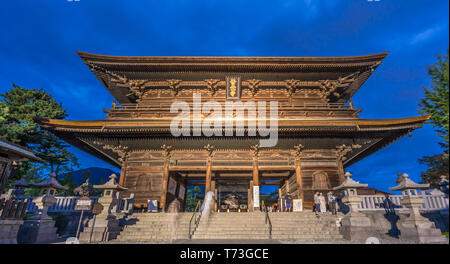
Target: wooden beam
(231, 168)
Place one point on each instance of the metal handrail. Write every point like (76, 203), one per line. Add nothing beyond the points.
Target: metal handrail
(197, 219)
(267, 219)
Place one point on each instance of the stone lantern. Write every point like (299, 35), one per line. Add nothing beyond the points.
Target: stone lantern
(443, 185)
(107, 225)
(46, 197)
(19, 187)
(351, 198)
(45, 224)
(354, 225)
(411, 200)
(415, 226)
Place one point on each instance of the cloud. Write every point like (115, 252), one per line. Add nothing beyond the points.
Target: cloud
(426, 35)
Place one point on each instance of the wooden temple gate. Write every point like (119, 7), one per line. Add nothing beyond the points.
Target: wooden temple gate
(318, 129)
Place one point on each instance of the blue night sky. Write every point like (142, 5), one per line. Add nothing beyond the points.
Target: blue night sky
(39, 40)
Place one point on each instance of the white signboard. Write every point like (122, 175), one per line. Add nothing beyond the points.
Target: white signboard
(255, 196)
(297, 205)
(83, 203)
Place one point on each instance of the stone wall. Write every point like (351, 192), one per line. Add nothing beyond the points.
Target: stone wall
(8, 231)
(385, 224)
(66, 224)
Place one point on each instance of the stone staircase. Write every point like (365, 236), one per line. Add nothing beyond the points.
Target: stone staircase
(155, 227)
(285, 226)
(234, 225)
(304, 226)
(164, 227)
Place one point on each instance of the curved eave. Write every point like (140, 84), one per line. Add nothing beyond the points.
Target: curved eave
(390, 129)
(226, 60)
(152, 67)
(107, 124)
(19, 151)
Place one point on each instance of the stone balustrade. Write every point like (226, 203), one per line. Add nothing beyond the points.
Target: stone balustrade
(379, 202)
(66, 204)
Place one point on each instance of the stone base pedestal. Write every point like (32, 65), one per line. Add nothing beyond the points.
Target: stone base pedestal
(38, 231)
(421, 232)
(46, 232)
(103, 230)
(9, 230)
(356, 228)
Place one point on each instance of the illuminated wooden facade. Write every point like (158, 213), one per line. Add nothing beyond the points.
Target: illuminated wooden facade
(319, 131)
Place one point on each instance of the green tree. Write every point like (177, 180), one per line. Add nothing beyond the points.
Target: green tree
(435, 103)
(437, 166)
(18, 107)
(68, 182)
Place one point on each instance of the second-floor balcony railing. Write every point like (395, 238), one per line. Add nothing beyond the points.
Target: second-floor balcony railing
(285, 110)
(167, 105)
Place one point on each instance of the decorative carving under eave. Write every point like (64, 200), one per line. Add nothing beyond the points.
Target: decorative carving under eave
(211, 151)
(329, 87)
(343, 149)
(298, 150)
(291, 86)
(255, 150)
(167, 151)
(136, 87)
(253, 86)
(121, 151)
(174, 85)
(212, 85)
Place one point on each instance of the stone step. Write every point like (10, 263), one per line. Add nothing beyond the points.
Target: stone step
(147, 228)
(158, 227)
(152, 235)
(155, 223)
(281, 230)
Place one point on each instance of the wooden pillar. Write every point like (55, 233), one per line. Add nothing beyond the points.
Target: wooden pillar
(341, 171)
(298, 174)
(250, 196)
(255, 172)
(210, 150)
(208, 175)
(4, 175)
(123, 173)
(164, 185)
(255, 177)
(214, 190)
(280, 196)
